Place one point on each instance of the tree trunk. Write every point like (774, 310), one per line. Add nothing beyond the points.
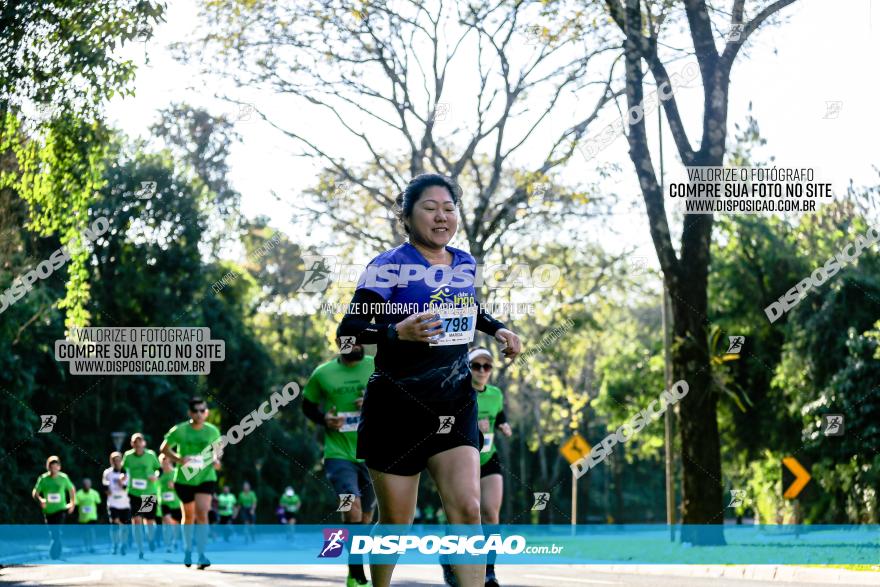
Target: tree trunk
(701, 493)
(687, 277)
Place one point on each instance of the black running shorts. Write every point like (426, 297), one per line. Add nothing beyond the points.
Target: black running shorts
(492, 466)
(175, 513)
(398, 432)
(187, 493)
(136, 502)
(121, 515)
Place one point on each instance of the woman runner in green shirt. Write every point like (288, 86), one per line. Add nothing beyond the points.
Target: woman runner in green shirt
(171, 510)
(490, 411)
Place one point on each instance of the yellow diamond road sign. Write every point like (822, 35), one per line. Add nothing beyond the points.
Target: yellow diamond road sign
(575, 448)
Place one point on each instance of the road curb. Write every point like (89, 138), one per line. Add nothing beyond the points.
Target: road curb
(781, 573)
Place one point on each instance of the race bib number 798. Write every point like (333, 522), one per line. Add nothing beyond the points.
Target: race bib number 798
(459, 325)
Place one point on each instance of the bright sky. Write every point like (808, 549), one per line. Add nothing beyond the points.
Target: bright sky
(789, 74)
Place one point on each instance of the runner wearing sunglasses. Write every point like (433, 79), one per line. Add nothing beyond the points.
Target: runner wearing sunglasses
(490, 405)
(424, 320)
(195, 480)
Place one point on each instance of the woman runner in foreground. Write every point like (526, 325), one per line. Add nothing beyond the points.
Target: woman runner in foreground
(419, 408)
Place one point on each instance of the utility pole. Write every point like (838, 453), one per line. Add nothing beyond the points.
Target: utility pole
(670, 484)
(667, 342)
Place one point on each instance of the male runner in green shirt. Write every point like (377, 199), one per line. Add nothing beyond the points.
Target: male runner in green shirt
(195, 480)
(247, 512)
(87, 500)
(141, 468)
(339, 386)
(57, 497)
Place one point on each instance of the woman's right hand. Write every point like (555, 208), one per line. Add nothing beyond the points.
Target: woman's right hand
(422, 327)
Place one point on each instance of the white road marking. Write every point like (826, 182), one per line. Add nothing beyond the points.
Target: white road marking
(557, 578)
(95, 577)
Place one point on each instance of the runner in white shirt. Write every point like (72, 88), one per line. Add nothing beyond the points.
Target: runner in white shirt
(118, 505)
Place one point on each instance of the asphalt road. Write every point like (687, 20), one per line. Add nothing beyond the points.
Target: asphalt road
(326, 576)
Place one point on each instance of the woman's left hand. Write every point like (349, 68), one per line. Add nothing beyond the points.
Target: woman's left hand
(505, 429)
(511, 340)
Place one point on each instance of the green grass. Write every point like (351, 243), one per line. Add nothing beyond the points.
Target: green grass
(875, 568)
(812, 549)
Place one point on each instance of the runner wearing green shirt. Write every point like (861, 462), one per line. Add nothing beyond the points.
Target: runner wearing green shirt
(189, 445)
(57, 497)
(171, 511)
(141, 468)
(226, 509)
(291, 503)
(490, 416)
(247, 511)
(87, 500)
(339, 386)
(288, 504)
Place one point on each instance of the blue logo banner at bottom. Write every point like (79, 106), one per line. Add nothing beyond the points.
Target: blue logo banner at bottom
(430, 544)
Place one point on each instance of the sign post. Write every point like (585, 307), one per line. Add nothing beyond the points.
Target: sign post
(793, 483)
(574, 449)
(801, 477)
(117, 437)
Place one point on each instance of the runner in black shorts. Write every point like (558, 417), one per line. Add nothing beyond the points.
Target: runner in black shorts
(338, 386)
(57, 497)
(419, 409)
(118, 504)
(194, 446)
(226, 509)
(247, 513)
(171, 507)
(141, 466)
(490, 402)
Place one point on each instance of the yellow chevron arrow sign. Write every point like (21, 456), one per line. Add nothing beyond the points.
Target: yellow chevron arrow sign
(801, 477)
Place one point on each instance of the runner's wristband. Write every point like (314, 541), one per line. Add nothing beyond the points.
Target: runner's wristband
(392, 333)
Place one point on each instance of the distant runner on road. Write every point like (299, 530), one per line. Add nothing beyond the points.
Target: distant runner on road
(56, 495)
